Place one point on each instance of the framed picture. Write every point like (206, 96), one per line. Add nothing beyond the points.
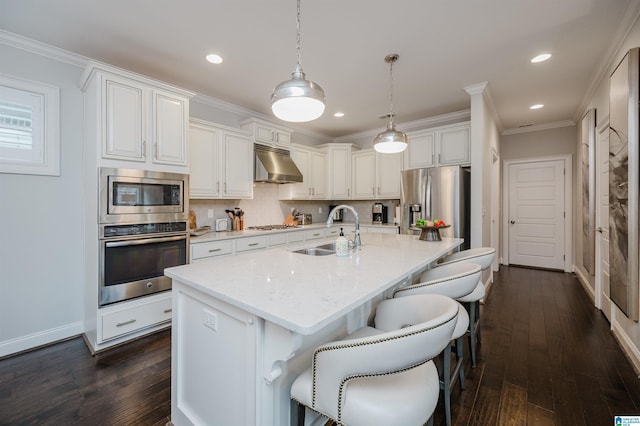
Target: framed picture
(623, 184)
(588, 137)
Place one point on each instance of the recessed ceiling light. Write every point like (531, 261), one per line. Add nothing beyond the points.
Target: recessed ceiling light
(536, 106)
(541, 58)
(339, 114)
(214, 58)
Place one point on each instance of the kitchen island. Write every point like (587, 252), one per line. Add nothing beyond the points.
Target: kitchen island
(244, 327)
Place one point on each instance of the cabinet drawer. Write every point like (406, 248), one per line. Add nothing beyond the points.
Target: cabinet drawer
(253, 243)
(295, 237)
(215, 248)
(332, 232)
(313, 234)
(277, 239)
(128, 320)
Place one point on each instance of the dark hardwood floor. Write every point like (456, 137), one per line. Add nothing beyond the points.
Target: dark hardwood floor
(547, 358)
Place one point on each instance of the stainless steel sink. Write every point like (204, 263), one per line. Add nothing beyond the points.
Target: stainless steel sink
(329, 246)
(315, 251)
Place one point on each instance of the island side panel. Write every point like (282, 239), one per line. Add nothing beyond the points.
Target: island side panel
(213, 361)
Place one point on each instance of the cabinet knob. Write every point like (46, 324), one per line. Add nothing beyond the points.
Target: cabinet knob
(513, 222)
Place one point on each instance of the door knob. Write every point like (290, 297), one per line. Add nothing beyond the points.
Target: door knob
(599, 229)
(513, 222)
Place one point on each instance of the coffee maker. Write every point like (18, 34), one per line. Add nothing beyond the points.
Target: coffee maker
(379, 213)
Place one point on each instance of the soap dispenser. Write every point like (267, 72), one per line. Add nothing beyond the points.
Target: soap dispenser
(342, 245)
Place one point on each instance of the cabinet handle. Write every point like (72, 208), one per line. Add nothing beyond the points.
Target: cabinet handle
(120, 324)
(316, 235)
(166, 311)
(155, 150)
(600, 230)
(439, 158)
(253, 244)
(144, 149)
(214, 250)
(225, 187)
(218, 186)
(373, 190)
(433, 158)
(378, 190)
(348, 192)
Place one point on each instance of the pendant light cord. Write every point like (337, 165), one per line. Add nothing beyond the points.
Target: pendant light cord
(299, 67)
(391, 92)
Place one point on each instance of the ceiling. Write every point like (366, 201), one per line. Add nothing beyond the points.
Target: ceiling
(444, 46)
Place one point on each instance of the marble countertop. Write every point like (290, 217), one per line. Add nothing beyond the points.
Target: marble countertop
(227, 235)
(305, 293)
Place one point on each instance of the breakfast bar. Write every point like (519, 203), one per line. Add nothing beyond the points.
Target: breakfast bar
(244, 327)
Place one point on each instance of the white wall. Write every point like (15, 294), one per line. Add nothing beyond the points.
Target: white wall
(41, 254)
(627, 331)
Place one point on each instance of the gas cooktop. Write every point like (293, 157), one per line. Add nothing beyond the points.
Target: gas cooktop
(270, 227)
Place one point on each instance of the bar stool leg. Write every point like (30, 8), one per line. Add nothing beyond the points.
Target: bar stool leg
(445, 377)
(472, 332)
(459, 356)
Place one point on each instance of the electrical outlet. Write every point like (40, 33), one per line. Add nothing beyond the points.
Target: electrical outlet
(210, 320)
(210, 213)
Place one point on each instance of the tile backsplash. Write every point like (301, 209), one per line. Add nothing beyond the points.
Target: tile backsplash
(266, 209)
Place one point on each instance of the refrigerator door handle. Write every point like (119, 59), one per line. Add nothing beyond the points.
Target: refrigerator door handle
(427, 202)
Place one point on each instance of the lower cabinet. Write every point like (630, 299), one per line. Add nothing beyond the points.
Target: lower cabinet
(130, 317)
(211, 249)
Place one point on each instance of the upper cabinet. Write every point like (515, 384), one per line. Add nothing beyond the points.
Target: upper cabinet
(441, 146)
(267, 133)
(338, 171)
(135, 119)
(375, 175)
(220, 161)
(312, 165)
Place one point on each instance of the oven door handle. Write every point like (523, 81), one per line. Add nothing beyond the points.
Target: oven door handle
(144, 241)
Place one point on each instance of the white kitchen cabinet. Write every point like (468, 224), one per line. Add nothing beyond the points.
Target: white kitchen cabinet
(338, 171)
(251, 243)
(312, 165)
(267, 133)
(375, 175)
(135, 119)
(211, 249)
(314, 234)
(123, 320)
(440, 146)
(220, 161)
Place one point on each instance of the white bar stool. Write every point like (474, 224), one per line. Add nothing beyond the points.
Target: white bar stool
(455, 280)
(483, 256)
(384, 376)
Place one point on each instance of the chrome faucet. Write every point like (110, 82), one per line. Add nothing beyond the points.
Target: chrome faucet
(355, 213)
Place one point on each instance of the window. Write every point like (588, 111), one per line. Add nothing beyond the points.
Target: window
(29, 127)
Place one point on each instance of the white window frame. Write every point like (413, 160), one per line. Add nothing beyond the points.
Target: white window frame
(45, 158)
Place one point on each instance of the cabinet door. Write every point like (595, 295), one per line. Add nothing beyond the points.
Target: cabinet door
(388, 171)
(339, 173)
(124, 131)
(364, 175)
(420, 150)
(238, 166)
(300, 191)
(170, 115)
(264, 134)
(282, 139)
(204, 148)
(453, 146)
(318, 175)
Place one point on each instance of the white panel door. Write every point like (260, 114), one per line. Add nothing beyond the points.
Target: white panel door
(603, 300)
(536, 214)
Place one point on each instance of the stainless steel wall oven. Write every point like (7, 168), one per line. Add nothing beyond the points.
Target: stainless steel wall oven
(142, 230)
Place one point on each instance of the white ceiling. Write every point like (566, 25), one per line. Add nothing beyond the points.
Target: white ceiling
(444, 46)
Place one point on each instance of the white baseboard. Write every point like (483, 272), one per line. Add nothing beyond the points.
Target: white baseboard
(628, 347)
(34, 340)
(585, 284)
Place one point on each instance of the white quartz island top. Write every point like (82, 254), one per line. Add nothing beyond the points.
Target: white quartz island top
(305, 293)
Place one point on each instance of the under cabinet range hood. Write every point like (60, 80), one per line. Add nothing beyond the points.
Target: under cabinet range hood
(274, 165)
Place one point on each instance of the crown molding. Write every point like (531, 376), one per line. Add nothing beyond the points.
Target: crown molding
(42, 49)
(409, 126)
(629, 19)
(538, 127)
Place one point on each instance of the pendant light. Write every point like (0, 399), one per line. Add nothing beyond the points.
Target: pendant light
(390, 141)
(297, 100)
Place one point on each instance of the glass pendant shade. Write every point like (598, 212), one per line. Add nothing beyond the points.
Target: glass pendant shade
(390, 141)
(297, 100)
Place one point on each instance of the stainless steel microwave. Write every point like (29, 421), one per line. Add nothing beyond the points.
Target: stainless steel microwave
(142, 196)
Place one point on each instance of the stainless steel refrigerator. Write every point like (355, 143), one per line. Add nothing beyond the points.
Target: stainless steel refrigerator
(437, 193)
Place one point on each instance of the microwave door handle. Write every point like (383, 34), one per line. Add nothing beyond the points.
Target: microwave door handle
(144, 241)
